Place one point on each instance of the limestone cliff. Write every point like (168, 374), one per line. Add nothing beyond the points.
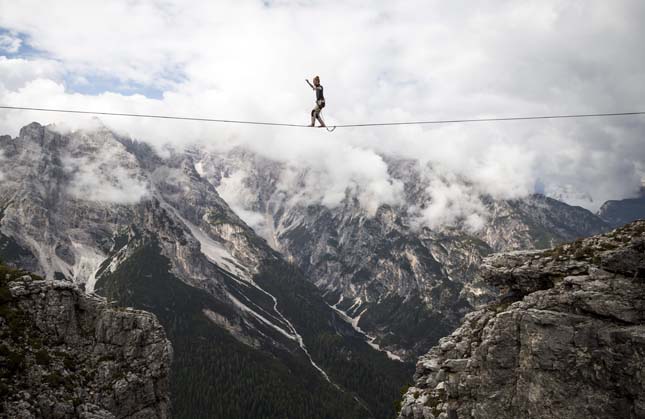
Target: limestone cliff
(67, 354)
(567, 340)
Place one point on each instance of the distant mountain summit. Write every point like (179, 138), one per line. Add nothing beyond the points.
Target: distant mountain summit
(624, 211)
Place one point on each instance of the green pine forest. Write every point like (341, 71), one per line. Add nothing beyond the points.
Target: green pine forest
(216, 376)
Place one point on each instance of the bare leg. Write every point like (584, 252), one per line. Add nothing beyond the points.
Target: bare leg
(322, 124)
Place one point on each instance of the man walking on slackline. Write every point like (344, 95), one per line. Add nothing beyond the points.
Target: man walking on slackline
(320, 102)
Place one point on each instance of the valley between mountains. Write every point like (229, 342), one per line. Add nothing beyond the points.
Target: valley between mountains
(275, 305)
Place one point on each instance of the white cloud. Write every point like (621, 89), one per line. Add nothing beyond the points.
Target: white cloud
(242, 200)
(18, 72)
(390, 61)
(451, 201)
(93, 181)
(322, 172)
(9, 43)
(114, 177)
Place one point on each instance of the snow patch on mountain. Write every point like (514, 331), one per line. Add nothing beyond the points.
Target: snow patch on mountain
(87, 262)
(199, 168)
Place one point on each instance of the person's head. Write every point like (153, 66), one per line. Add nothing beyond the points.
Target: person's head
(317, 81)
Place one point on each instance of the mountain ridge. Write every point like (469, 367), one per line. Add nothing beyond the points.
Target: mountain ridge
(395, 279)
(341, 296)
(249, 302)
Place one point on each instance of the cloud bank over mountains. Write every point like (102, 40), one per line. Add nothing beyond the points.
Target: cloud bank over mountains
(379, 61)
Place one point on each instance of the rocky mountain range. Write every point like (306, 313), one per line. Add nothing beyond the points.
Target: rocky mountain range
(275, 306)
(252, 338)
(402, 284)
(566, 340)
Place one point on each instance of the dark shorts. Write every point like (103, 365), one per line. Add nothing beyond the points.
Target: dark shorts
(318, 107)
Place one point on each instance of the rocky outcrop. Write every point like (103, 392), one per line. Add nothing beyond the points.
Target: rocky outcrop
(567, 340)
(66, 354)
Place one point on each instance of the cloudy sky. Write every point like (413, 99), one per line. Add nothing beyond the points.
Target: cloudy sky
(380, 61)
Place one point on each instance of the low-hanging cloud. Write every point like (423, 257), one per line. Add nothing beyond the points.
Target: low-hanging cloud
(106, 174)
(451, 202)
(323, 172)
(97, 182)
(391, 61)
(242, 200)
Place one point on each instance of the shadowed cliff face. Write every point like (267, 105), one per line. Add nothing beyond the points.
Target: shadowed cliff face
(68, 354)
(566, 341)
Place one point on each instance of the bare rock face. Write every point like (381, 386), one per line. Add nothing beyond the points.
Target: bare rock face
(568, 340)
(67, 354)
(403, 284)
